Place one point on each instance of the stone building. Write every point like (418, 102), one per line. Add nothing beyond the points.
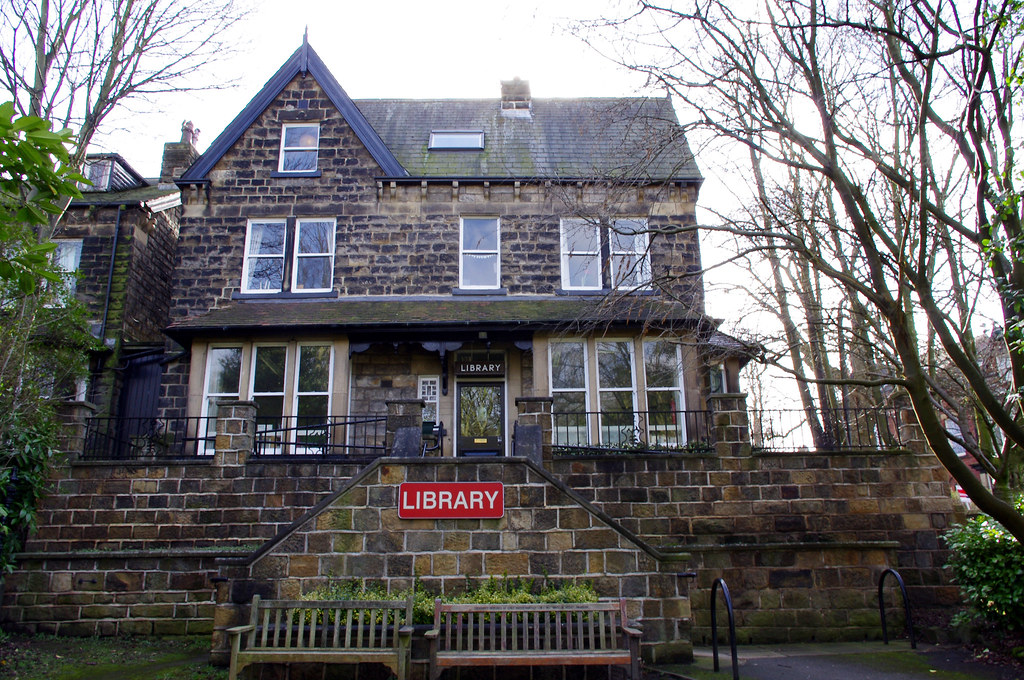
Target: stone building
(117, 242)
(372, 293)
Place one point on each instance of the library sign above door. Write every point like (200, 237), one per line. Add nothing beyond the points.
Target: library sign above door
(480, 364)
(451, 500)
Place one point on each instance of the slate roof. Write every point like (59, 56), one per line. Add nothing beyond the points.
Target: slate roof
(421, 314)
(626, 138)
(136, 196)
(623, 138)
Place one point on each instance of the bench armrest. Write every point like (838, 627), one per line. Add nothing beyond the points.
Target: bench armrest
(237, 630)
(432, 633)
(633, 632)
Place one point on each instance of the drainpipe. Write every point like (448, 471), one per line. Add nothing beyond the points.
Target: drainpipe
(110, 275)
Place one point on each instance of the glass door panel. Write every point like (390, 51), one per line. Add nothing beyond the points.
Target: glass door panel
(481, 426)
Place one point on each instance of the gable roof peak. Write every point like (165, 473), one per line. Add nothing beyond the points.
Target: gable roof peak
(304, 60)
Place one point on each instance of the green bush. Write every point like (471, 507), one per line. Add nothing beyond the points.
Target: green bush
(491, 591)
(988, 564)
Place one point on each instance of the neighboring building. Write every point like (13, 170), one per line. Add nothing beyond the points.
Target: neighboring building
(117, 243)
(338, 254)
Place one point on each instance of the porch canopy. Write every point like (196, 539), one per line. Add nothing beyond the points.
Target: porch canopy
(388, 319)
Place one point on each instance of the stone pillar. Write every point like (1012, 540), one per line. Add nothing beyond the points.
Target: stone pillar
(236, 434)
(533, 428)
(731, 427)
(404, 437)
(74, 417)
(911, 435)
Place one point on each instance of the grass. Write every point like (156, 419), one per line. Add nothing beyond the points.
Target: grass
(44, 657)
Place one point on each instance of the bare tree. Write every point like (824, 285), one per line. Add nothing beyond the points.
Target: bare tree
(903, 110)
(74, 61)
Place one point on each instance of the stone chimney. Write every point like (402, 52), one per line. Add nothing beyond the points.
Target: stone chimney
(178, 156)
(515, 98)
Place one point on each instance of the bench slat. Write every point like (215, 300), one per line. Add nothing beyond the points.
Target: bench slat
(496, 635)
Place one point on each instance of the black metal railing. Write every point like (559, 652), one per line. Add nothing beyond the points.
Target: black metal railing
(826, 429)
(720, 582)
(631, 431)
(354, 436)
(908, 618)
(115, 438)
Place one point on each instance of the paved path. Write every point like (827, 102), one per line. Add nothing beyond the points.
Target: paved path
(841, 661)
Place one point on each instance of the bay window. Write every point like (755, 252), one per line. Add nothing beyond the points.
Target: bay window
(290, 383)
(636, 385)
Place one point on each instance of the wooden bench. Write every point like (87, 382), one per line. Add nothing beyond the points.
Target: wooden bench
(590, 633)
(332, 631)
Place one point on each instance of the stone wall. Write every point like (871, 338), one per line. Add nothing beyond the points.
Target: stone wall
(547, 532)
(801, 539)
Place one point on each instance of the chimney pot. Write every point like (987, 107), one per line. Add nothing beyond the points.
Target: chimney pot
(516, 101)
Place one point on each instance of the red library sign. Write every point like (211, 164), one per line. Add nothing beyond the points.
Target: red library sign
(451, 500)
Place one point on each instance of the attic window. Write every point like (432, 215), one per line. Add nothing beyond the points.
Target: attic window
(299, 147)
(456, 139)
(98, 173)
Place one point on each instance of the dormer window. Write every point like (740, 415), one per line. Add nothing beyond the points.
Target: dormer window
(300, 145)
(98, 174)
(456, 139)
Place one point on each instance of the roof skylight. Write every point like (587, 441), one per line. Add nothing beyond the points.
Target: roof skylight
(456, 139)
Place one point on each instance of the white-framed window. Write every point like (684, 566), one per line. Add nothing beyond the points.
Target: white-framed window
(634, 384)
(263, 268)
(313, 383)
(568, 370)
(456, 139)
(616, 392)
(665, 397)
(630, 257)
(67, 257)
(314, 255)
(300, 144)
(479, 253)
(589, 247)
(273, 263)
(222, 381)
(581, 254)
(429, 390)
(267, 384)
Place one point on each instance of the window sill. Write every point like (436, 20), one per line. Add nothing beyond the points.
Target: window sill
(604, 291)
(285, 295)
(479, 291)
(311, 173)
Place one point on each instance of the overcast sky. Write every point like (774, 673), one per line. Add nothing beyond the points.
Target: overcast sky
(395, 49)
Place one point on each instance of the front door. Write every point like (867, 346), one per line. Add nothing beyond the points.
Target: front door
(481, 416)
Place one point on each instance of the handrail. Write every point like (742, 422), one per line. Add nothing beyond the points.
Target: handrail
(732, 626)
(906, 606)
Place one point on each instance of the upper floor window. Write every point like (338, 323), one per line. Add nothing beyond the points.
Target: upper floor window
(581, 255)
(68, 258)
(630, 258)
(300, 144)
(622, 245)
(479, 248)
(305, 263)
(98, 173)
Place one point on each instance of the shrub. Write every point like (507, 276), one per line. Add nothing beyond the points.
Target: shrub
(987, 564)
(493, 590)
